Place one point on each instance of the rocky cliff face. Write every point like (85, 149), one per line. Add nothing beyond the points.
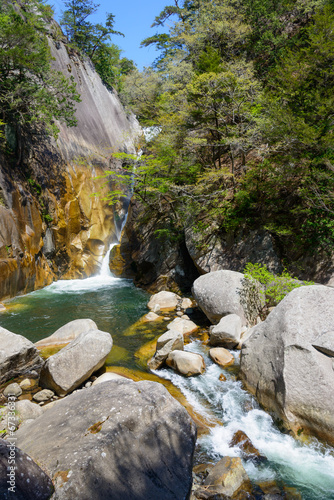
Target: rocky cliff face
(51, 224)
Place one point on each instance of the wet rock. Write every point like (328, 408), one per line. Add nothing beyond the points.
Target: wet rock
(151, 316)
(13, 390)
(227, 332)
(134, 440)
(68, 332)
(186, 363)
(28, 481)
(248, 449)
(43, 395)
(221, 356)
(183, 326)
(227, 292)
(17, 356)
(106, 377)
(71, 366)
(227, 477)
(280, 364)
(165, 300)
(222, 377)
(166, 343)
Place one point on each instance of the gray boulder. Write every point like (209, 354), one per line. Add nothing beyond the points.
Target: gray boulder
(27, 480)
(164, 300)
(166, 343)
(68, 332)
(186, 363)
(133, 441)
(13, 390)
(67, 369)
(42, 396)
(17, 356)
(287, 361)
(227, 333)
(106, 377)
(227, 292)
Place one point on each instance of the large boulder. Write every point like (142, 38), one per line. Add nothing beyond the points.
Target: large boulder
(227, 292)
(164, 301)
(118, 440)
(186, 363)
(287, 362)
(20, 477)
(227, 333)
(17, 356)
(166, 343)
(68, 332)
(67, 369)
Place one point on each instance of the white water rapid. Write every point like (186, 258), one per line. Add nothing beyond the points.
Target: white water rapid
(308, 467)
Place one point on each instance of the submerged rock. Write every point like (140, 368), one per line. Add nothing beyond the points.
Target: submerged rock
(68, 332)
(186, 363)
(286, 365)
(227, 292)
(27, 480)
(71, 366)
(133, 441)
(17, 356)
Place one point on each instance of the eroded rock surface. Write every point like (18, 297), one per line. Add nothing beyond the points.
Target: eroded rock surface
(133, 441)
(287, 366)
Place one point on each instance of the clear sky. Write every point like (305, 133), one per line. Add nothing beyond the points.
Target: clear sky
(133, 18)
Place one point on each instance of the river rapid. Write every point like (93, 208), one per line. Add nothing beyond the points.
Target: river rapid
(115, 304)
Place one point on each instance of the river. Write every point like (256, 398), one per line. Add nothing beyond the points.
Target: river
(116, 304)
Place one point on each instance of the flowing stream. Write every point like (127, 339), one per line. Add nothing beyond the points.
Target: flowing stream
(115, 304)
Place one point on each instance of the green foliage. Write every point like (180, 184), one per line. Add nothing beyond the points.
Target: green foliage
(94, 40)
(276, 287)
(31, 93)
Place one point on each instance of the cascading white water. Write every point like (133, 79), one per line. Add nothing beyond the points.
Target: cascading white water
(308, 467)
(105, 269)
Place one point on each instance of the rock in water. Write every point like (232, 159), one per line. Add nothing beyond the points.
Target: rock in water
(17, 356)
(133, 441)
(186, 363)
(286, 366)
(166, 343)
(227, 333)
(72, 365)
(68, 332)
(227, 477)
(221, 356)
(165, 300)
(227, 292)
(184, 326)
(29, 481)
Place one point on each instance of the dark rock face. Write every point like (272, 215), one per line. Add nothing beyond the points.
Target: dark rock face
(28, 481)
(118, 440)
(50, 225)
(288, 363)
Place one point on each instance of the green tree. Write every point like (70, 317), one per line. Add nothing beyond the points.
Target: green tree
(31, 93)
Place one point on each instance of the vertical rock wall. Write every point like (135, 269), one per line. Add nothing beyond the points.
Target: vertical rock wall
(51, 224)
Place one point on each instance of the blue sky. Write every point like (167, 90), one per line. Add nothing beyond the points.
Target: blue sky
(133, 18)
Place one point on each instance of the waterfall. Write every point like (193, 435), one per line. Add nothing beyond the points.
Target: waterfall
(105, 270)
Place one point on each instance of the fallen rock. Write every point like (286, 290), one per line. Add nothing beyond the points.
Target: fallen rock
(227, 477)
(184, 326)
(71, 366)
(246, 446)
(27, 481)
(68, 332)
(227, 292)
(221, 356)
(281, 366)
(12, 390)
(227, 333)
(106, 377)
(132, 441)
(43, 395)
(165, 300)
(186, 363)
(17, 356)
(28, 383)
(166, 343)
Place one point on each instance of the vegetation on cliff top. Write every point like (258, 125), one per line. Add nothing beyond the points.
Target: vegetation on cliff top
(243, 95)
